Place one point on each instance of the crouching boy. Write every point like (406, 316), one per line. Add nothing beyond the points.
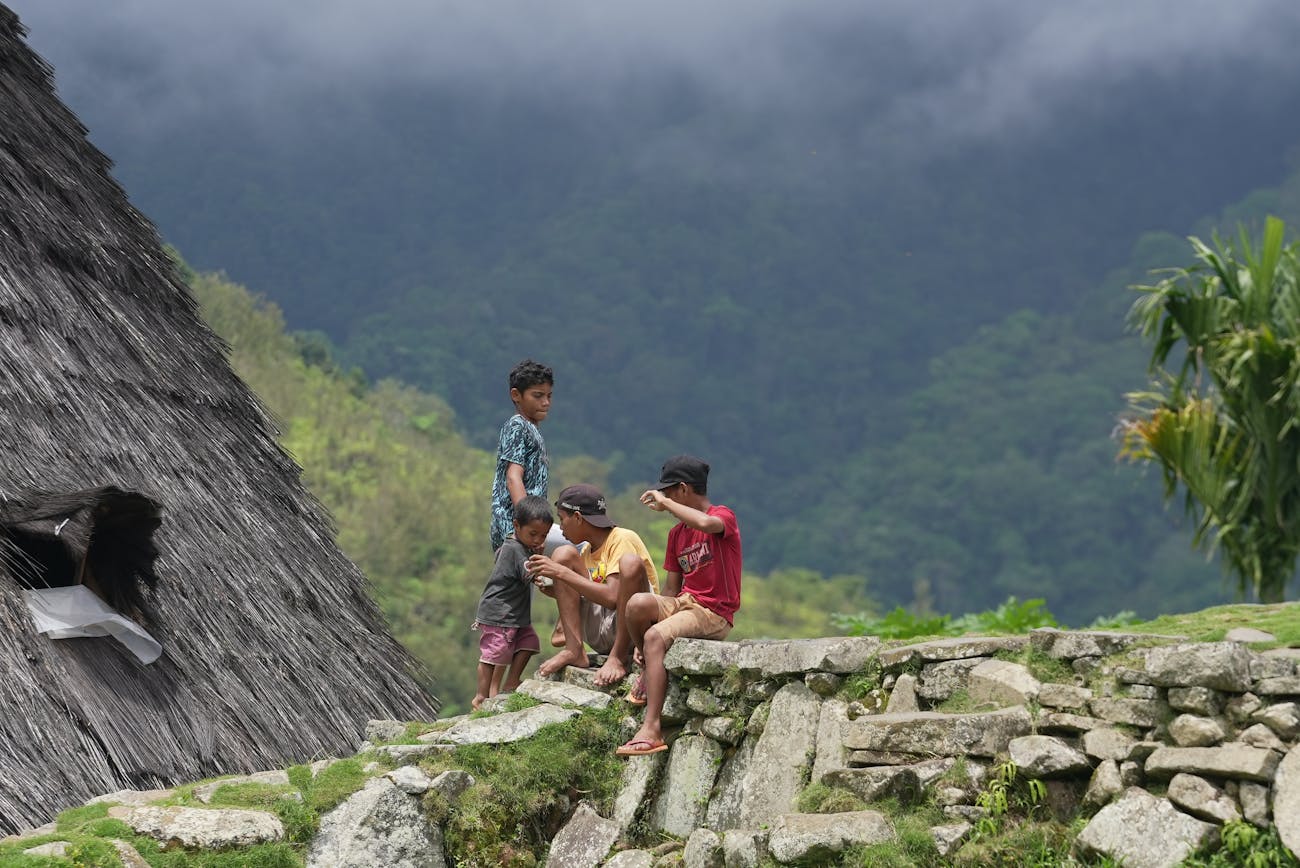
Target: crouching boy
(702, 587)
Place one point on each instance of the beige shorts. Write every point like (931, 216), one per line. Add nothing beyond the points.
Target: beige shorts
(599, 626)
(682, 617)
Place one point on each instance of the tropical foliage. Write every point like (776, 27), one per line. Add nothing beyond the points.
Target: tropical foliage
(1222, 420)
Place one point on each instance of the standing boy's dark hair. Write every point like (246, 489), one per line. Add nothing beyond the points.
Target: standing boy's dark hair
(532, 508)
(529, 373)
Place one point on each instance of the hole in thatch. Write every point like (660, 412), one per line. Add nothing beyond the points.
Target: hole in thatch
(36, 562)
(102, 538)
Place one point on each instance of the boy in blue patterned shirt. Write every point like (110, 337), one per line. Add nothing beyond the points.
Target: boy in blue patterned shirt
(521, 453)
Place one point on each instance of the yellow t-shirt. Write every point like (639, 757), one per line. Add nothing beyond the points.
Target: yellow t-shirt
(603, 561)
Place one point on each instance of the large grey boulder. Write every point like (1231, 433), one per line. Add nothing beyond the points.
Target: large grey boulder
(878, 782)
(274, 778)
(1108, 744)
(728, 801)
(935, 734)
(1195, 700)
(1001, 682)
(1283, 718)
(831, 753)
(956, 648)
(701, 657)
(134, 798)
(684, 796)
(378, 825)
(385, 730)
(639, 773)
(1068, 722)
(1234, 760)
(1286, 685)
(502, 728)
(1143, 831)
(1144, 713)
(1073, 644)
(703, 850)
(1260, 735)
(1286, 800)
(816, 837)
(1053, 695)
(560, 693)
(1217, 665)
(950, 836)
(1254, 803)
(584, 841)
(1042, 756)
(744, 848)
(1104, 785)
(902, 696)
(939, 681)
(202, 828)
(779, 766)
(1189, 730)
(1200, 798)
(775, 658)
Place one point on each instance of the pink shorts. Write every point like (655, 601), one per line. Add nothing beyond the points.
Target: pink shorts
(498, 645)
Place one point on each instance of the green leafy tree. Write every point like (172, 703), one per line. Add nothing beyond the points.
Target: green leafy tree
(1222, 422)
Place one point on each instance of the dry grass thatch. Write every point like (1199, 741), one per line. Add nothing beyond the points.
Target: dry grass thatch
(275, 651)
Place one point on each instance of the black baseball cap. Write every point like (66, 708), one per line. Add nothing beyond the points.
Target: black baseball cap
(684, 468)
(587, 501)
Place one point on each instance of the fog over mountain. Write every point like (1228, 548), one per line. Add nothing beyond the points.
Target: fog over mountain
(924, 74)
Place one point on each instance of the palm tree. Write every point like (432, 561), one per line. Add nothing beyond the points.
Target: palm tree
(1223, 426)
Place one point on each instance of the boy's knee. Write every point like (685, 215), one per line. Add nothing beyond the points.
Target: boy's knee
(568, 556)
(654, 642)
(642, 604)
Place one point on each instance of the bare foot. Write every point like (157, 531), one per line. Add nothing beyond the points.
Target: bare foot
(477, 702)
(611, 673)
(557, 636)
(561, 660)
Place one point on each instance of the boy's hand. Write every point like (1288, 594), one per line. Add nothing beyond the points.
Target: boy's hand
(654, 498)
(541, 565)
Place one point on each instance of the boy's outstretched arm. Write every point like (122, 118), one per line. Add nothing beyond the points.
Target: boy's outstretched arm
(687, 515)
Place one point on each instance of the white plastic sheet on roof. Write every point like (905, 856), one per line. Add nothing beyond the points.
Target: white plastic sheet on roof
(75, 612)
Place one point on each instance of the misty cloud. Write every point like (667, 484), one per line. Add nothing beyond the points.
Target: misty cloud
(946, 67)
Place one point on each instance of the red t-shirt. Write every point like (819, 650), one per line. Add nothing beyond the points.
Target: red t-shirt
(709, 563)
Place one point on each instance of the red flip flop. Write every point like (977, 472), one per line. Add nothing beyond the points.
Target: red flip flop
(641, 747)
(636, 696)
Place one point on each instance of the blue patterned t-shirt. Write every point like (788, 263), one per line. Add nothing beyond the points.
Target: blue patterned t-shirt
(520, 443)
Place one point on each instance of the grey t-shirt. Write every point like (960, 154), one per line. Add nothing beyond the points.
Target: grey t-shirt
(507, 599)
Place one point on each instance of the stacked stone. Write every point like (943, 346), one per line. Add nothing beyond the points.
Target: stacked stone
(1212, 725)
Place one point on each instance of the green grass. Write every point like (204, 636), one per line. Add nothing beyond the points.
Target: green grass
(1211, 625)
(523, 791)
(819, 798)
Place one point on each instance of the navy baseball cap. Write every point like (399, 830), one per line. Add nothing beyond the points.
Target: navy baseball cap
(587, 501)
(684, 468)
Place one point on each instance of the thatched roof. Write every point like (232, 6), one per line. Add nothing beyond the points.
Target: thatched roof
(274, 650)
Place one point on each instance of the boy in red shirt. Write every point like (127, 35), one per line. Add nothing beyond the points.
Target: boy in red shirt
(701, 589)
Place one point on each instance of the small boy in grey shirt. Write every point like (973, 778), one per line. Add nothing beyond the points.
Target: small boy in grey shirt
(504, 615)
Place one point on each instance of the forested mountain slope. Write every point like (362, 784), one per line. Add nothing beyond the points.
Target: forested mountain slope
(893, 334)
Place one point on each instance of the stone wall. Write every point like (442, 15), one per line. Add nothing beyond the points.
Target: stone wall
(1211, 727)
(1159, 742)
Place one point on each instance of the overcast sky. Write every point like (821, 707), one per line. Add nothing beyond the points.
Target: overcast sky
(963, 67)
